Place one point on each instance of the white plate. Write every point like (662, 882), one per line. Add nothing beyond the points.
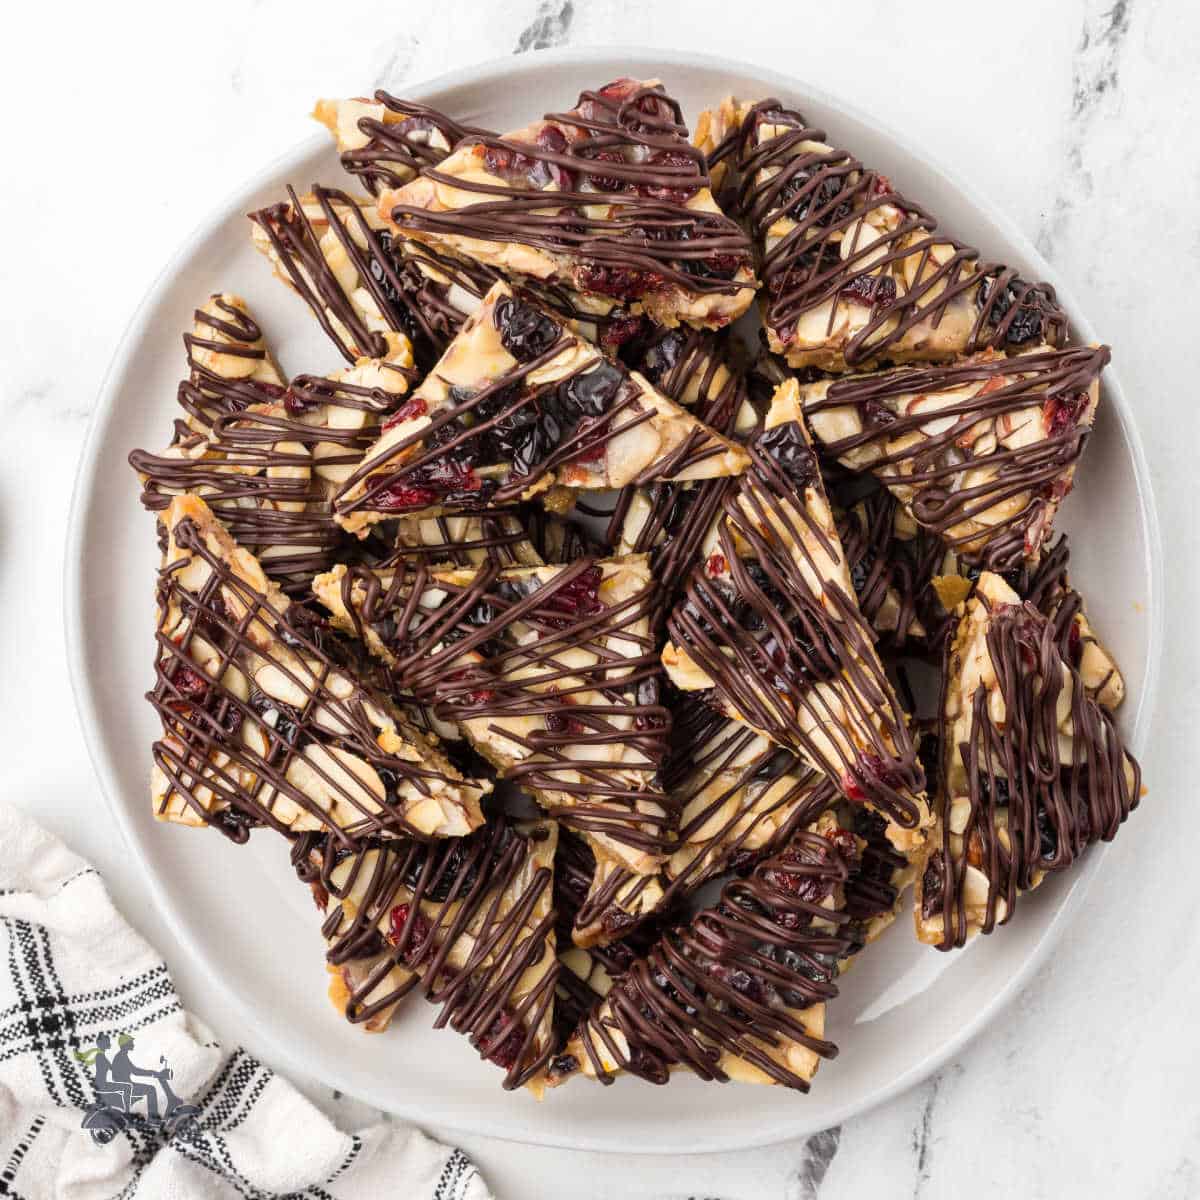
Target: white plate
(903, 1010)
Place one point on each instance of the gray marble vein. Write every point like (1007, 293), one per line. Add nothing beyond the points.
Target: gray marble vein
(1095, 70)
(551, 27)
(923, 1137)
(819, 1152)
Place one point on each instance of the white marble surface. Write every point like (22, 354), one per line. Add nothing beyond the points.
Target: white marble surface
(128, 122)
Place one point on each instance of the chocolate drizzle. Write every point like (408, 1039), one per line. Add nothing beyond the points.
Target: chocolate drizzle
(829, 196)
(797, 664)
(206, 394)
(397, 150)
(1037, 797)
(624, 148)
(769, 786)
(236, 755)
(463, 919)
(1052, 388)
(738, 979)
(689, 367)
(259, 469)
(296, 243)
(492, 443)
(469, 654)
(891, 575)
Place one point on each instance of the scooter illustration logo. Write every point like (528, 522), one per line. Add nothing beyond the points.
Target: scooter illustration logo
(120, 1086)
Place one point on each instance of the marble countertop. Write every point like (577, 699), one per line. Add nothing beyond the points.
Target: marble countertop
(133, 120)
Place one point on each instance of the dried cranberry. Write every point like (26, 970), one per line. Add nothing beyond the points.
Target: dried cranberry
(672, 192)
(662, 356)
(524, 332)
(807, 880)
(416, 925)
(621, 283)
(739, 980)
(556, 723)
(294, 404)
(620, 330)
(552, 139)
(502, 1042)
(1061, 412)
(786, 446)
(563, 1064)
(1025, 324)
(798, 200)
(190, 683)
(870, 772)
(400, 497)
(592, 451)
(932, 884)
(875, 415)
(416, 407)
(379, 273)
(591, 393)
(716, 565)
(607, 183)
(499, 160)
(878, 291)
(578, 597)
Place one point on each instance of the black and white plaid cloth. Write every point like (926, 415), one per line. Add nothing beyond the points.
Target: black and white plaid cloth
(76, 983)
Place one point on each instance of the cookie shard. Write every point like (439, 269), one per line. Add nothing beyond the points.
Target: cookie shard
(739, 797)
(770, 630)
(673, 521)
(517, 404)
(266, 719)
(609, 201)
(469, 922)
(892, 565)
(854, 273)
(230, 366)
(384, 142)
(269, 470)
(552, 674)
(980, 452)
(333, 251)
(739, 992)
(1013, 709)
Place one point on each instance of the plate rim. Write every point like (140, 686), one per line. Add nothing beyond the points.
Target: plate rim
(85, 701)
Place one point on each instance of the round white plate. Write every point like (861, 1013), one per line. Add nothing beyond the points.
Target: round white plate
(903, 1009)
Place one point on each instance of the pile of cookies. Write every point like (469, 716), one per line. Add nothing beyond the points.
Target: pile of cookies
(566, 631)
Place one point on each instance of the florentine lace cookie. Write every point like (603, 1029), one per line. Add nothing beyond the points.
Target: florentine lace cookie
(469, 920)
(739, 992)
(854, 273)
(386, 141)
(440, 287)
(1033, 768)
(331, 249)
(551, 672)
(269, 471)
(739, 797)
(229, 364)
(981, 452)
(516, 404)
(1047, 586)
(609, 200)
(670, 521)
(266, 720)
(769, 628)
(892, 562)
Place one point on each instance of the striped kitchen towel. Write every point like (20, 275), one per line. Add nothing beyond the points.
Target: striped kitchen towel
(109, 1088)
